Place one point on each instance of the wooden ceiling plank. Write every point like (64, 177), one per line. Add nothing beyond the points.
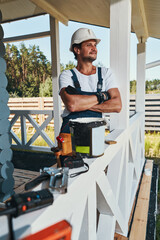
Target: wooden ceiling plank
(139, 20)
(49, 8)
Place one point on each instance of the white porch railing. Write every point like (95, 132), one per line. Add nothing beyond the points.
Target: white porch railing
(109, 187)
(27, 115)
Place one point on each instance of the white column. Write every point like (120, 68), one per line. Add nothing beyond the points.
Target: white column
(55, 56)
(120, 28)
(140, 87)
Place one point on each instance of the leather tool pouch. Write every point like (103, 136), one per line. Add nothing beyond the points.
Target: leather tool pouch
(66, 145)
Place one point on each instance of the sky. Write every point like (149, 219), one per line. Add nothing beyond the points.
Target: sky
(41, 23)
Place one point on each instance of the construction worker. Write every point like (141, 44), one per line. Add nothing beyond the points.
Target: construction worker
(87, 91)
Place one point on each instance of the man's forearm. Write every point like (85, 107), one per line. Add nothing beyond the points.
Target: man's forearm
(77, 103)
(112, 105)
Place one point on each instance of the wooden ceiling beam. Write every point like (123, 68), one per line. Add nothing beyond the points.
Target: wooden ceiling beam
(139, 20)
(49, 8)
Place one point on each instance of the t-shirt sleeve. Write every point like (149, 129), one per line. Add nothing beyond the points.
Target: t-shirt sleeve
(109, 79)
(65, 79)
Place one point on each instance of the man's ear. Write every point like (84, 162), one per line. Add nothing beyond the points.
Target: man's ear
(76, 50)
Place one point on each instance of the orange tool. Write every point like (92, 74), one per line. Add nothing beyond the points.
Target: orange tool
(58, 231)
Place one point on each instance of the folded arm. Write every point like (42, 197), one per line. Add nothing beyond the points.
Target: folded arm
(114, 104)
(77, 103)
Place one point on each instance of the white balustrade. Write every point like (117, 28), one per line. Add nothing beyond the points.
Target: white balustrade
(39, 129)
(99, 202)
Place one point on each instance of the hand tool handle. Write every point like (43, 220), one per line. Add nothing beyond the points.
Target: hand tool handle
(37, 181)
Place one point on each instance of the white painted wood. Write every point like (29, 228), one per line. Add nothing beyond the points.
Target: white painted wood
(78, 216)
(51, 9)
(55, 55)
(31, 147)
(3, 80)
(4, 111)
(4, 96)
(39, 131)
(153, 64)
(139, 20)
(140, 87)
(109, 201)
(120, 28)
(79, 205)
(14, 119)
(129, 184)
(92, 213)
(106, 227)
(5, 155)
(27, 37)
(23, 130)
(4, 126)
(26, 114)
(29, 112)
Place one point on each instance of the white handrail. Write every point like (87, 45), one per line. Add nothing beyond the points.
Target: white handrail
(109, 186)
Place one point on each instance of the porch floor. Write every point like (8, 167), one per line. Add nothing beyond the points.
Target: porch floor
(21, 177)
(142, 221)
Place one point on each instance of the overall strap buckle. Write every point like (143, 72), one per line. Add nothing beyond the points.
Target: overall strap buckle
(100, 80)
(75, 80)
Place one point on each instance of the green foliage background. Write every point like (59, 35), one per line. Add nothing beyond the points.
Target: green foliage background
(29, 73)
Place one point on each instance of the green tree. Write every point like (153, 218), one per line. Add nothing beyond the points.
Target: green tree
(133, 86)
(27, 68)
(46, 88)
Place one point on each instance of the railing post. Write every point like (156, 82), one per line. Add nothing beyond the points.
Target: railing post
(23, 130)
(120, 30)
(54, 29)
(140, 87)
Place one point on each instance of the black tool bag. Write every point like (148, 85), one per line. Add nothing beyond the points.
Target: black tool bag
(74, 162)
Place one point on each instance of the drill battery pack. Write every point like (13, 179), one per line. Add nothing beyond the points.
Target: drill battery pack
(72, 161)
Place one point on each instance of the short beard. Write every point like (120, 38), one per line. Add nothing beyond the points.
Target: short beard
(89, 59)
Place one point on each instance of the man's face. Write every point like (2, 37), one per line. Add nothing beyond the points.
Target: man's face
(88, 51)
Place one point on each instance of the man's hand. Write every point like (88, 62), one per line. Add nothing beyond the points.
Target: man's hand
(114, 104)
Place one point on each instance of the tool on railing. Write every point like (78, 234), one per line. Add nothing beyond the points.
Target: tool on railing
(25, 202)
(58, 179)
(58, 231)
(64, 147)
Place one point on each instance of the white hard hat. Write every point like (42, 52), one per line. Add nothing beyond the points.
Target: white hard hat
(81, 35)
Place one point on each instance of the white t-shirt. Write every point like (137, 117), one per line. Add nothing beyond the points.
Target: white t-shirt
(87, 83)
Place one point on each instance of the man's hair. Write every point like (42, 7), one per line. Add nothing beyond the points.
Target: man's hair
(78, 46)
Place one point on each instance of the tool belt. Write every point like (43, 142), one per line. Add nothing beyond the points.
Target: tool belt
(65, 155)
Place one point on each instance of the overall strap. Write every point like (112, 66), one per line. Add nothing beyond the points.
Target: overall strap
(75, 80)
(100, 80)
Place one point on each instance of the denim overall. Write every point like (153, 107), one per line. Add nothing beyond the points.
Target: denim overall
(86, 113)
